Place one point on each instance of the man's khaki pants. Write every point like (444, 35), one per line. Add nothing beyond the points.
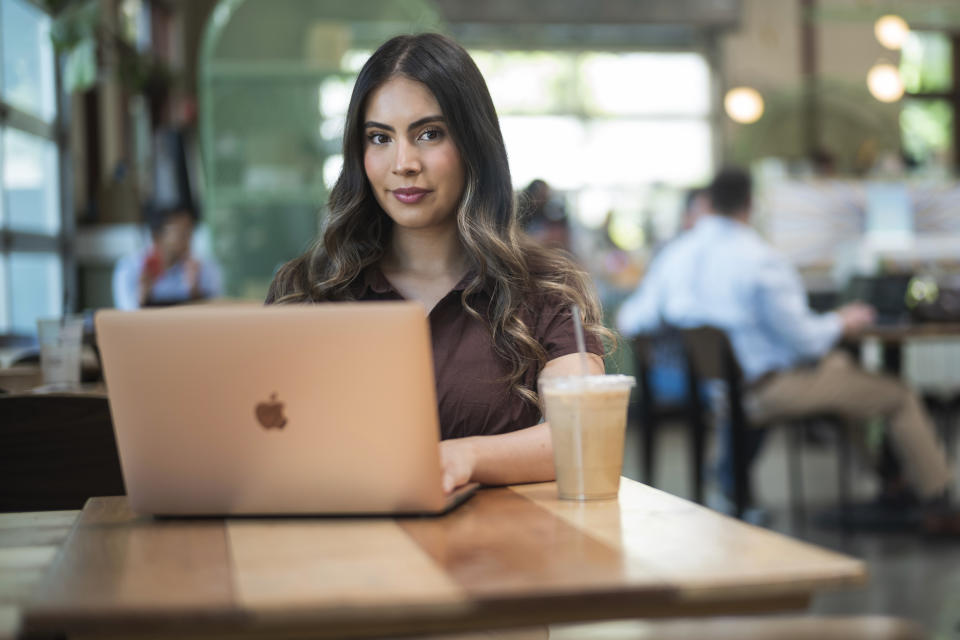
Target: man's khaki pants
(837, 385)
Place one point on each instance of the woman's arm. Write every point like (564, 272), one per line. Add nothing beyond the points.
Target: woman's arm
(510, 458)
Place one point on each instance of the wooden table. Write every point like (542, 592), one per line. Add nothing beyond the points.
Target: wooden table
(509, 557)
(20, 378)
(899, 333)
(892, 337)
(28, 544)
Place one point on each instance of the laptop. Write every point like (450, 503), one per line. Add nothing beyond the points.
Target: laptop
(286, 410)
(886, 293)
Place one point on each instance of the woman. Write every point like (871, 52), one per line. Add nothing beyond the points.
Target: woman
(423, 210)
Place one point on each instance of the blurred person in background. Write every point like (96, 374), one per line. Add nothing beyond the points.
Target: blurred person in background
(696, 204)
(167, 272)
(722, 273)
(667, 367)
(424, 210)
(543, 216)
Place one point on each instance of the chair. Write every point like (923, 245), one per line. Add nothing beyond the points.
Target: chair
(708, 355)
(56, 451)
(666, 351)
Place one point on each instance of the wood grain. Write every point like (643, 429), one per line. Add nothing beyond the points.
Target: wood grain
(283, 565)
(28, 543)
(507, 545)
(509, 557)
(702, 554)
(120, 567)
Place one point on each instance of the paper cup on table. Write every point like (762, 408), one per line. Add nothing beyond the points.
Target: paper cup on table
(61, 341)
(588, 423)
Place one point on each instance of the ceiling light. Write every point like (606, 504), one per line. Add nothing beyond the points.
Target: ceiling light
(891, 31)
(885, 83)
(743, 105)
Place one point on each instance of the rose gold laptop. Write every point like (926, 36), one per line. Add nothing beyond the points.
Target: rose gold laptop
(249, 410)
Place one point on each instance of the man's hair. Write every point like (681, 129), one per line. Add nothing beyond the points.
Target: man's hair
(730, 191)
(157, 216)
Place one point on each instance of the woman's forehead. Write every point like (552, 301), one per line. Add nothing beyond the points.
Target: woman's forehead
(400, 101)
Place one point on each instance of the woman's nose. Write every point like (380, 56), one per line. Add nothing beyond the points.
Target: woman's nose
(407, 160)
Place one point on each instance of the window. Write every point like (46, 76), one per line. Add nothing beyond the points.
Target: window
(619, 134)
(928, 118)
(31, 258)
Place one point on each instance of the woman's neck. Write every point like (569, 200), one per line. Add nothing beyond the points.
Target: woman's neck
(425, 253)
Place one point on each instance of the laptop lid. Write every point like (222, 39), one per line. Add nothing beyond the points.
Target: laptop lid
(886, 293)
(320, 409)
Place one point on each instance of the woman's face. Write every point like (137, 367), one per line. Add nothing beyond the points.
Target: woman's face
(410, 159)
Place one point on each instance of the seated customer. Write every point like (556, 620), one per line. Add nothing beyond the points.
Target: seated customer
(722, 273)
(166, 273)
(423, 210)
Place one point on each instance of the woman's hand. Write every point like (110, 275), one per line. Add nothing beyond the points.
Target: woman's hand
(525, 455)
(458, 461)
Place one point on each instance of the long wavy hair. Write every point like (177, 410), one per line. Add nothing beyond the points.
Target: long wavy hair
(516, 272)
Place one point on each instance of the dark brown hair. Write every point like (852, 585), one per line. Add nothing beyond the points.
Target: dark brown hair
(516, 272)
(730, 191)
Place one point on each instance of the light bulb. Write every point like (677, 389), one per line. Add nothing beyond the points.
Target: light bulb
(743, 105)
(885, 83)
(891, 31)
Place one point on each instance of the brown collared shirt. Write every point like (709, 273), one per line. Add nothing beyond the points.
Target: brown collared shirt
(473, 397)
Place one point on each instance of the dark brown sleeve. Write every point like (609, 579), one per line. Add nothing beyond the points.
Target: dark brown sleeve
(555, 331)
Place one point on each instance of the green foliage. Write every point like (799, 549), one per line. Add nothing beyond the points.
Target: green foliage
(80, 36)
(74, 22)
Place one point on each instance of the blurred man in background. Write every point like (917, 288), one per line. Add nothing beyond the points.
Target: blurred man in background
(167, 272)
(721, 273)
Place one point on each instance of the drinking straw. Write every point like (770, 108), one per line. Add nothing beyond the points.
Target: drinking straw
(577, 432)
(581, 344)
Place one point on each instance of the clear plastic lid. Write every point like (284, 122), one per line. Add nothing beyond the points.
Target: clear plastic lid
(606, 382)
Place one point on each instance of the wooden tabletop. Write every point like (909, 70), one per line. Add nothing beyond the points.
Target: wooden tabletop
(509, 557)
(28, 544)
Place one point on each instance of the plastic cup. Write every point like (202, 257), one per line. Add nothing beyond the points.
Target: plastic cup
(588, 424)
(61, 340)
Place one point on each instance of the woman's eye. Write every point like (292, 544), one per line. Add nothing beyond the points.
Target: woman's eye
(378, 138)
(431, 134)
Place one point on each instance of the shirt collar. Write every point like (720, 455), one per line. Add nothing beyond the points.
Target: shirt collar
(376, 282)
(719, 221)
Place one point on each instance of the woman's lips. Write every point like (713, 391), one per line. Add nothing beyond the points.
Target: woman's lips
(410, 196)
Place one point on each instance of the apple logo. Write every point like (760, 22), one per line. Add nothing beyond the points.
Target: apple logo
(270, 414)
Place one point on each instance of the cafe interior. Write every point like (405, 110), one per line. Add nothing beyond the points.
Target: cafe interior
(845, 114)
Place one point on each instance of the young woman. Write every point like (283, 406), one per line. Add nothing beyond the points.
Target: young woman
(423, 210)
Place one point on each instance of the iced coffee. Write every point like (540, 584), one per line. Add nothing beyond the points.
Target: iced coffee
(588, 419)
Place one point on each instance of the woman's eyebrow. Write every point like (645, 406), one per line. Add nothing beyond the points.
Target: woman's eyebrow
(370, 124)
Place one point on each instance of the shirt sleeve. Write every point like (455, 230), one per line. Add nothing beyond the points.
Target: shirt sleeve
(784, 311)
(126, 277)
(557, 333)
(641, 311)
(211, 281)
